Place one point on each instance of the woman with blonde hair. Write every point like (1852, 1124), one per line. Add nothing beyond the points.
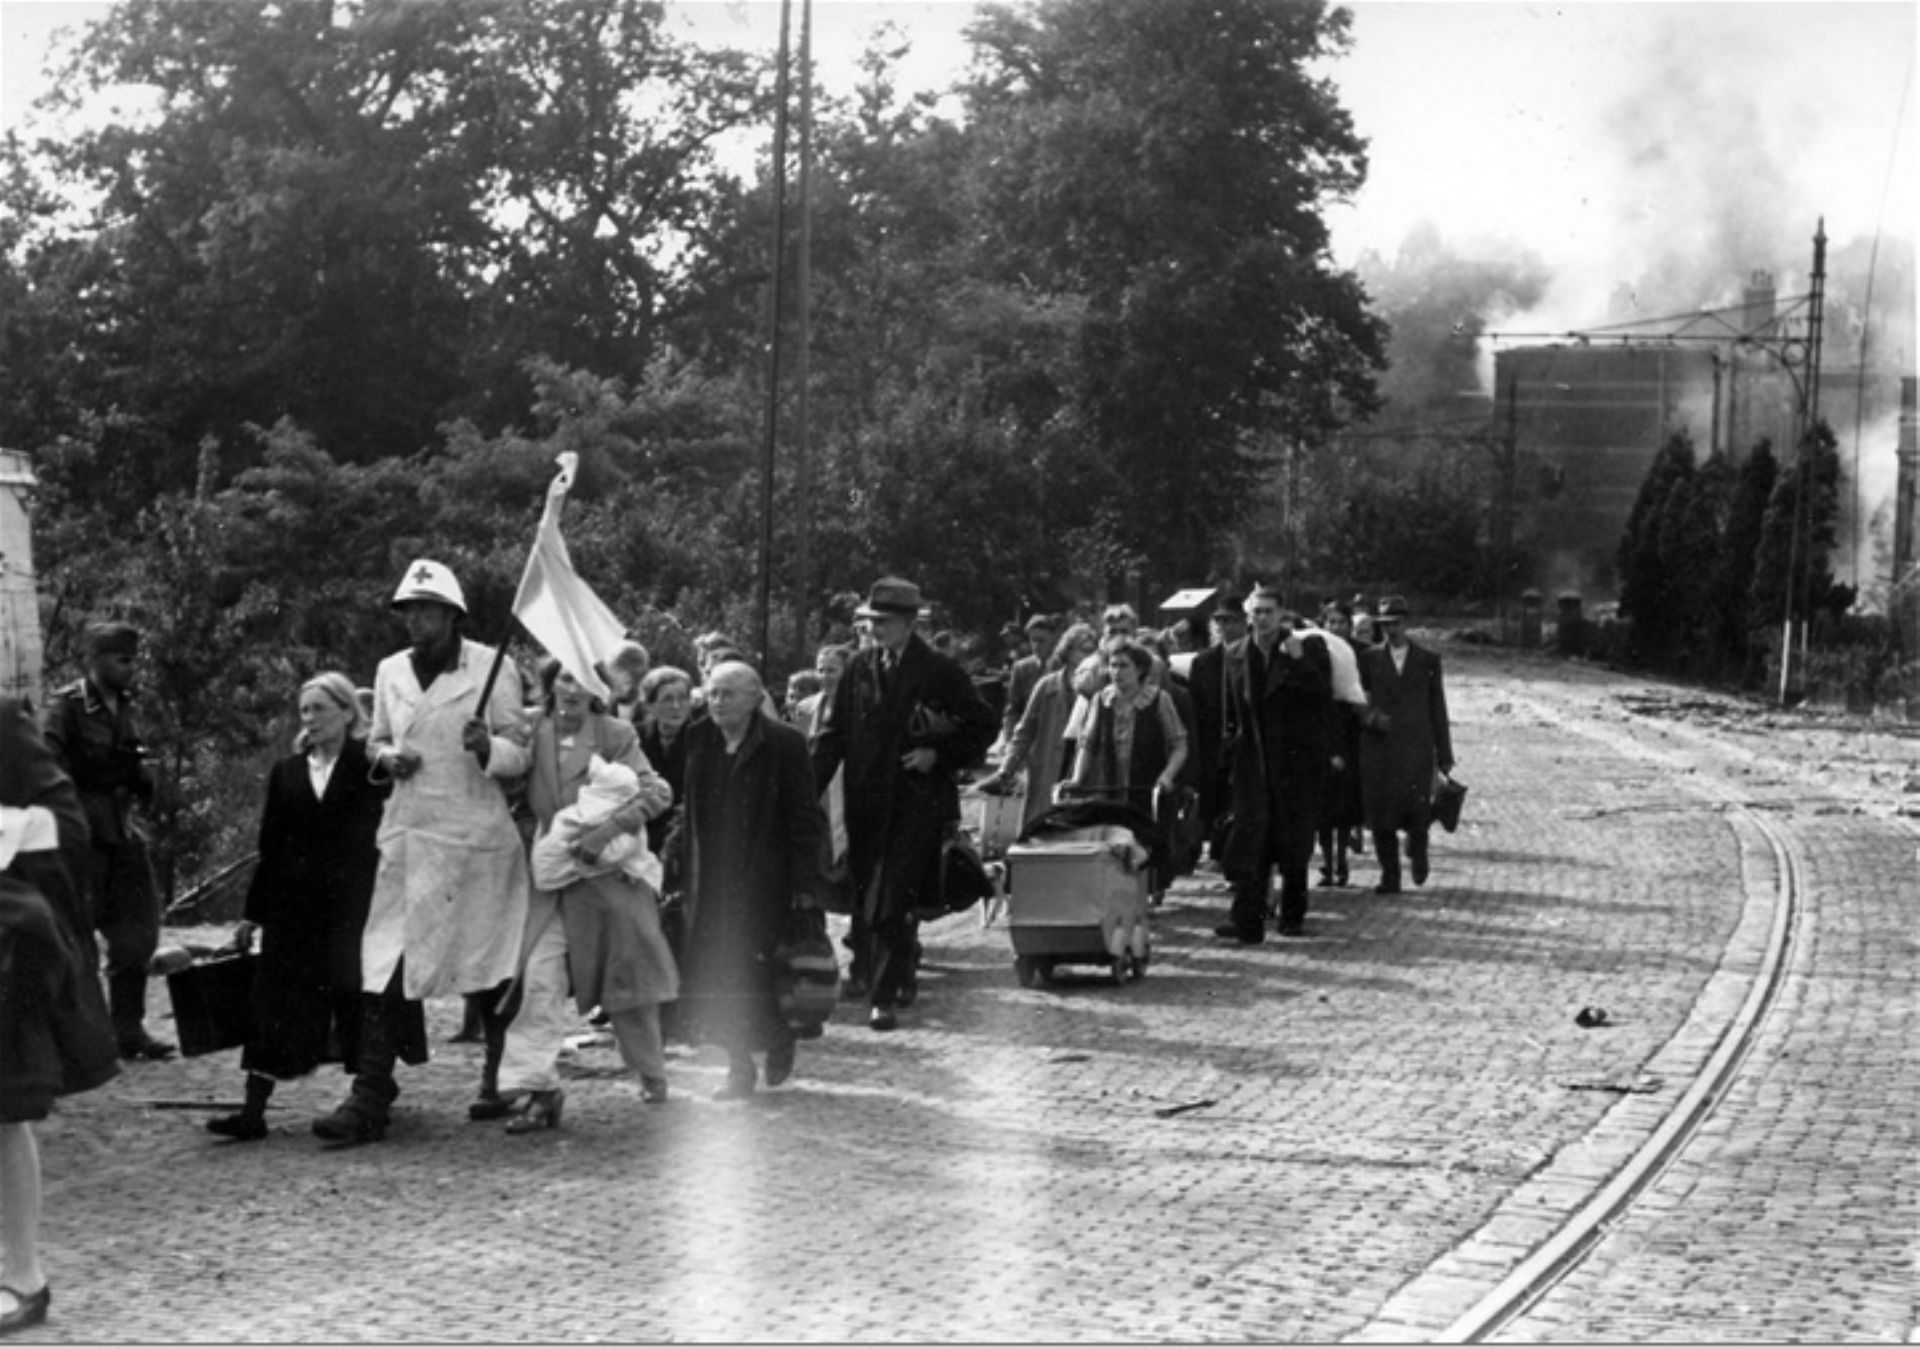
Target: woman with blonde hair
(308, 901)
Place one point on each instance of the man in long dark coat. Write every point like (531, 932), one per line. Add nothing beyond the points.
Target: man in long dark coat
(1206, 682)
(904, 720)
(1281, 726)
(746, 847)
(1406, 738)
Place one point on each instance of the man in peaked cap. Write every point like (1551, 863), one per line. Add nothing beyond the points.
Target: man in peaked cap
(1405, 738)
(904, 721)
(90, 726)
(450, 897)
(1206, 681)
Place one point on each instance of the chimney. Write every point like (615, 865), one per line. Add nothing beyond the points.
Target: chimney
(1757, 302)
(1906, 496)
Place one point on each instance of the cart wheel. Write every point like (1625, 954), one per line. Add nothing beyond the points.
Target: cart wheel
(1028, 969)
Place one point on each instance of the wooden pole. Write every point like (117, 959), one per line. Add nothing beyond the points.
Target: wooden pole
(763, 605)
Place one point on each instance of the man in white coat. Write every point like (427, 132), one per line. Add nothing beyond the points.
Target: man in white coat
(450, 898)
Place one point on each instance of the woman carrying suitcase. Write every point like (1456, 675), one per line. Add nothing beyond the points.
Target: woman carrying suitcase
(308, 901)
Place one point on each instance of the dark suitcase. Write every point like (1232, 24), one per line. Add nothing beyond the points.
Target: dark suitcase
(213, 1003)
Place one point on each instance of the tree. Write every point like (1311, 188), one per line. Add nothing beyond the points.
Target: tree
(1793, 561)
(1645, 581)
(364, 217)
(1165, 162)
(1732, 582)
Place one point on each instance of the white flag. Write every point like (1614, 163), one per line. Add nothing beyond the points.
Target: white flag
(556, 606)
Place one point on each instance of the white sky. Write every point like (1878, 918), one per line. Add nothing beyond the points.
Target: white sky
(1607, 138)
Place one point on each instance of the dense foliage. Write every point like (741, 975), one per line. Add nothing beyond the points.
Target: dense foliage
(1710, 552)
(337, 278)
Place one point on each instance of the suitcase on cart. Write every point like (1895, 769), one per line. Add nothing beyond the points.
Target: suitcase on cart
(1078, 899)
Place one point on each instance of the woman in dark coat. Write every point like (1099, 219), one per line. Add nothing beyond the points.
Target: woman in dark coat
(747, 851)
(55, 1036)
(309, 899)
(666, 707)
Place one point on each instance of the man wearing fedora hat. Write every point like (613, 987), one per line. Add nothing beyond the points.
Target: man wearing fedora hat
(451, 894)
(90, 726)
(904, 721)
(1406, 737)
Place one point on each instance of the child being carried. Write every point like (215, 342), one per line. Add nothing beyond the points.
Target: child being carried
(558, 860)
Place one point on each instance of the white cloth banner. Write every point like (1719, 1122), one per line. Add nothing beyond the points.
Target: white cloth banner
(556, 606)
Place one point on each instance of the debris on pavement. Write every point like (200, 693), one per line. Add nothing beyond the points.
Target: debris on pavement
(1169, 1111)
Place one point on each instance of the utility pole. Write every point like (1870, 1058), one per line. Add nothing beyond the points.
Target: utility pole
(1799, 559)
(763, 604)
(802, 441)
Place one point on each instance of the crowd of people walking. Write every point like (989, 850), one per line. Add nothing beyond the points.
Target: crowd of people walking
(638, 844)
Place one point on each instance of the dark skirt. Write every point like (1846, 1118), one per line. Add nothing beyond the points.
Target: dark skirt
(55, 1036)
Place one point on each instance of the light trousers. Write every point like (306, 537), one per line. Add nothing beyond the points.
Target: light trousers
(531, 1061)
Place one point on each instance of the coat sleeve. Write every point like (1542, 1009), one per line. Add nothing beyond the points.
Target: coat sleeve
(623, 746)
(975, 728)
(829, 745)
(272, 865)
(803, 824)
(34, 773)
(1437, 714)
(1020, 743)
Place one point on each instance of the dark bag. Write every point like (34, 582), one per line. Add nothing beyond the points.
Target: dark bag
(213, 1002)
(964, 880)
(806, 974)
(1448, 797)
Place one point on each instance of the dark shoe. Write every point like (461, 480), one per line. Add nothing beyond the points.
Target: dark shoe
(31, 1311)
(351, 1122)
(1233, 933)
(882, 1018)
(1387, 888)
(542, 1111)
(144, 1046)
(1293, 929)
(653, 1090)
(780, 1064)
(492, 1105)
(1326, 876)
(853, 990)
(243, 1127)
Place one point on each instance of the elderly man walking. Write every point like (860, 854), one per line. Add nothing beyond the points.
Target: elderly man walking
(904, 720)
(450, 898)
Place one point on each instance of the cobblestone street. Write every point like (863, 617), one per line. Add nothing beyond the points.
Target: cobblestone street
(1375, 1114)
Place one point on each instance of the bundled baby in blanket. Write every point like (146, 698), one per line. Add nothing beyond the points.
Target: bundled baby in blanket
(557, 860)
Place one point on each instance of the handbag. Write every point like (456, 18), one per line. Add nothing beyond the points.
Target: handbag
(1448, 797)
(806, 974)
(213, 1002)
(964, 880)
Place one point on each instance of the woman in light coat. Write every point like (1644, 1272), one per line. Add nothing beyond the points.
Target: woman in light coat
(1039, 740)
(599, 933)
